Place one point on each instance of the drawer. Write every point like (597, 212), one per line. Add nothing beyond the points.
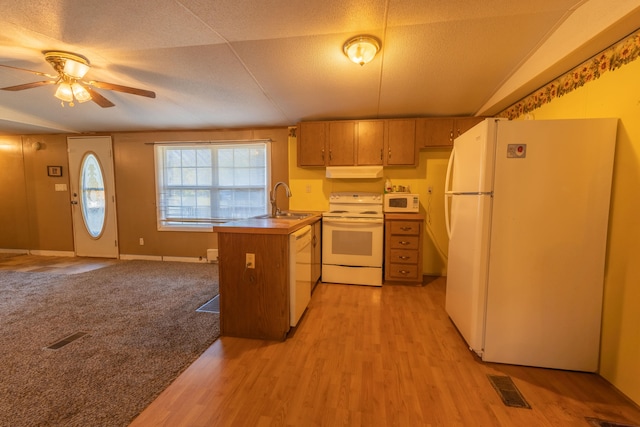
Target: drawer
(403, 256)
(404, 242)
(405, 227)
(403, 271)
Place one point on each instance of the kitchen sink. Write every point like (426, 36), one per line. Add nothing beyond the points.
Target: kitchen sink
(287, 215)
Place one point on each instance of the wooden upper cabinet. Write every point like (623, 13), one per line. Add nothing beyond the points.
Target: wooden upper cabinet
(400, 143)
(370, 145)
(434, 132)
(463, 124)
(440, 132)
(385, 142)
(312, 140)
(342, 142)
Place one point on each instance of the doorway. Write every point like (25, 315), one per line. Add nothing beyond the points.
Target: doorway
(93, 200)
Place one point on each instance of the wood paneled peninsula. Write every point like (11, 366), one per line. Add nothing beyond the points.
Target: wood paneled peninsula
(254, 302)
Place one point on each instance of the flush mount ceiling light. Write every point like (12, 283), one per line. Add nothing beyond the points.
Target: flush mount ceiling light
(361, 49)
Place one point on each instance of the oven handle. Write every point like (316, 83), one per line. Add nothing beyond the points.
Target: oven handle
(364, 222)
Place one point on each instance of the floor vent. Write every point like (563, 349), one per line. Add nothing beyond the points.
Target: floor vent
(595, 422)
(212, 306)
(508, 391)
(64, 341)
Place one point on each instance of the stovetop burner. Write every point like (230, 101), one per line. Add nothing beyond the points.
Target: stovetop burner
(355, 205)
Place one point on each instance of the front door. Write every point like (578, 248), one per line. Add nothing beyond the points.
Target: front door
(93, 197)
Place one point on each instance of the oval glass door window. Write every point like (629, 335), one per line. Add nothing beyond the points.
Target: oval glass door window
(92, 197)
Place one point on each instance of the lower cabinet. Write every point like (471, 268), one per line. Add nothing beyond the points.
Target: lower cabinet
(254, 302)
(403, 247)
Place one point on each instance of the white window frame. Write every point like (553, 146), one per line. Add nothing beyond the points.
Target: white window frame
(202, 224)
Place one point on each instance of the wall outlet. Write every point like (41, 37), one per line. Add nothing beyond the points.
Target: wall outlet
(250, 261)
(141, 241)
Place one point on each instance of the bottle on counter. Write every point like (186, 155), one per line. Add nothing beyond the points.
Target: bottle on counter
(387, 186)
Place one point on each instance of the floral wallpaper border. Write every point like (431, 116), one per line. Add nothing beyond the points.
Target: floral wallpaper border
(621, 53)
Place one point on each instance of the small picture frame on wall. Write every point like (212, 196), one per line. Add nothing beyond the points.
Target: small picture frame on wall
(54, 170)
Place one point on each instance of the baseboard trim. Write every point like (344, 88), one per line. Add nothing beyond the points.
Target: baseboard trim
(130, 257)
(14, 251)
(141, 257)
(70, 254)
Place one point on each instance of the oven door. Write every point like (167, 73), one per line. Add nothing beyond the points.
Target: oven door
(352, 241)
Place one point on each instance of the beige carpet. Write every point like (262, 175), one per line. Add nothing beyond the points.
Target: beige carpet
(141, 330)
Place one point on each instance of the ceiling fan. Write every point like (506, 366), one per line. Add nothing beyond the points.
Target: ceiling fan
(70, 69)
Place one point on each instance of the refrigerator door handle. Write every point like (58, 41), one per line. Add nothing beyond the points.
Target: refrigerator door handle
(447, 221)
(447, 193)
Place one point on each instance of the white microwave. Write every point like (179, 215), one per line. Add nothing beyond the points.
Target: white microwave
(401, 202)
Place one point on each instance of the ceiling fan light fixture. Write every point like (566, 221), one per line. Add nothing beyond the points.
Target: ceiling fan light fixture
(362, 49)
(75, 69)
(64, 92)
(81, 94)
(71, 64)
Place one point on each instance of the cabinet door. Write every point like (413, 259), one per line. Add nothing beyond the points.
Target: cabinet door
(400, 143)
(463, 124)
(312, 138)
(342, 141)
(370, 142)
(436, 132)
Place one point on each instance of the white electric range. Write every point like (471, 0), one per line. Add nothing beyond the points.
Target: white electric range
(352, 239)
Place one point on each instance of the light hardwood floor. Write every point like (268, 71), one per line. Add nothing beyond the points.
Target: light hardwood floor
(51, 264)
(362, 356)
(367, 356)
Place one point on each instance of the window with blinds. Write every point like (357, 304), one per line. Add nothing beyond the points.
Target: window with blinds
(200, 184)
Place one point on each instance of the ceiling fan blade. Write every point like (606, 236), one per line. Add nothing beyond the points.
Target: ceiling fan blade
(28, 85)
(29, 71)
(126, 89)
(98, 99)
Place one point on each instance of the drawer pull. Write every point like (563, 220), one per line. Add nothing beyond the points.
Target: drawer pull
(406, 228)
(405, 272)
(402, 242)
(404, 257)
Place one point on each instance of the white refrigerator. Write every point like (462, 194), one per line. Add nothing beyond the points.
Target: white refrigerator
(527, 208)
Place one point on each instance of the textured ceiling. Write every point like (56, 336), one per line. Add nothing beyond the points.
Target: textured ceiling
(241, 63)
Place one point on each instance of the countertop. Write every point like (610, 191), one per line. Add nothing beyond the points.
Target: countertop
(266, 225)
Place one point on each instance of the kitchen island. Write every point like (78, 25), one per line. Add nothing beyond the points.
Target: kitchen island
(254, 302)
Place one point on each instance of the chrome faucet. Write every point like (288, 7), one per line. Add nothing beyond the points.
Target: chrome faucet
(272, 197)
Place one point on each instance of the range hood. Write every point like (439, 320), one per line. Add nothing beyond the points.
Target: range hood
(354, 171)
